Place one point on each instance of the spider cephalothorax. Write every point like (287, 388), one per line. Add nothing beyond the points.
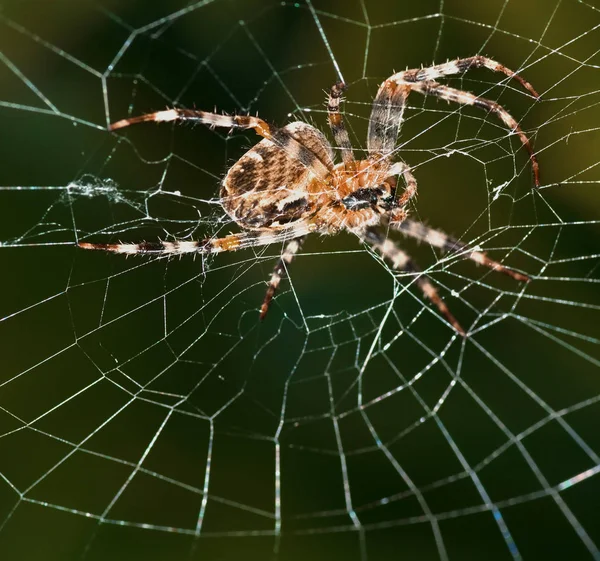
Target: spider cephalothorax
(288, 185)
(380, 198)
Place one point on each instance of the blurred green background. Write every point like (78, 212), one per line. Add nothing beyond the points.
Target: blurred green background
(144, 412)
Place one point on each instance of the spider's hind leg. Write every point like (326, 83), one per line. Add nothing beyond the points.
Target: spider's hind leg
(279, 272)
(232, 242)
(212, 120)
(401, 261)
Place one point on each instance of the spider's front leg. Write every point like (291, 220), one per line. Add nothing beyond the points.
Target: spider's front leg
(467, 98)
(437, 238)
(402, 168)
(461, 66)
(401, 261)
(387, 114)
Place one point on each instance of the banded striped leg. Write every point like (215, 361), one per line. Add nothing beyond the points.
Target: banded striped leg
(402, 168)
(467, 98)
(439, 239)
(279, 272)
(390, 102)
(402, 262)
(232, 242)
(336, 122)
(284, 138)
(459, 66)
(386, 119)
(212, 120)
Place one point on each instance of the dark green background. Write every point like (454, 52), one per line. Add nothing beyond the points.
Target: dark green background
(112, 367)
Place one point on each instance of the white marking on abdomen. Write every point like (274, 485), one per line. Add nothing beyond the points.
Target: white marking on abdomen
(254, 156)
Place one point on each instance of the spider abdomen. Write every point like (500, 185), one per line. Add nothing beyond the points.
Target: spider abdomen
(274, 183)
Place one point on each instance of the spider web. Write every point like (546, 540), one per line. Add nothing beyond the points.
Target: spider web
(145, 413)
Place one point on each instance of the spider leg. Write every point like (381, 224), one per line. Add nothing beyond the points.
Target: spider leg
(336, 122)
(402, 168)
(389, 103)
(386, 119)
(439, 239)
(233, 242)
(279, 272)
(459, 66)
(212, 120)
(288, 138)
(467, 98)
(401, 261)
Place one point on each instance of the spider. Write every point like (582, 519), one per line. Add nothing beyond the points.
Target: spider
(288, 185)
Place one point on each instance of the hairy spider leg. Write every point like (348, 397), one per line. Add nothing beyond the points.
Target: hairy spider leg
(387, 115)
(281, 137)
(466, 98)
(279, 272)
(437, 238)
(401, 261)
(336, 123)
(459, 66)
(212, 120)
(233, 242)
(410, 190)
(390, 102)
